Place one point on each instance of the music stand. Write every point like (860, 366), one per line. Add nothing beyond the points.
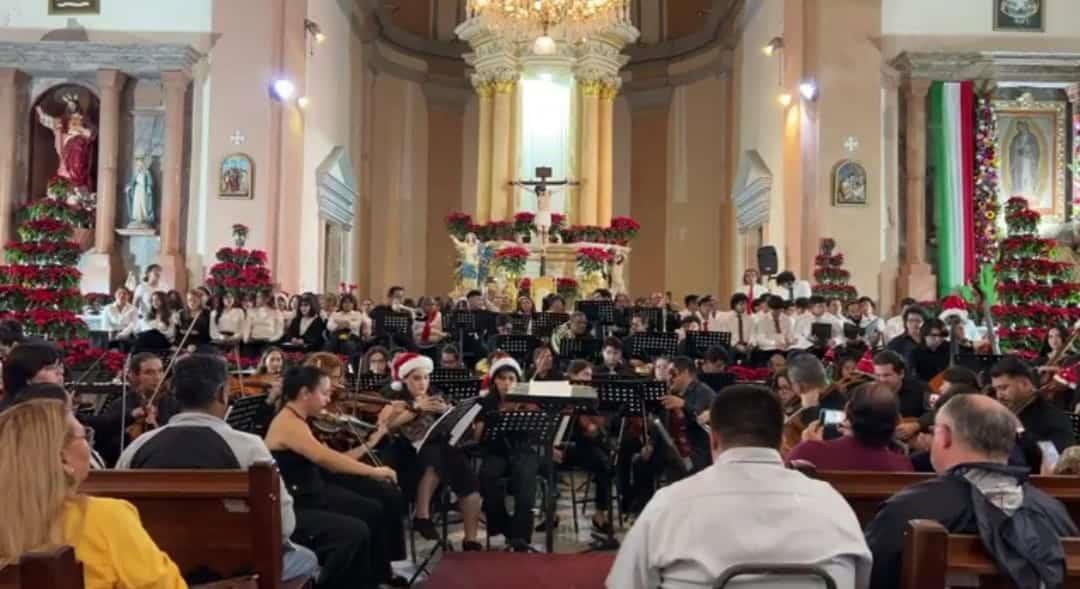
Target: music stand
(539, 427)
(698, 342)
(244, 414)
(369, 383)
(602, 312)
(586, 348)
(653, 317)
(652, 344)
(521, 347)
(822, 333)
(459, 391)
(519, 324)
(442, 373)
(545, 323)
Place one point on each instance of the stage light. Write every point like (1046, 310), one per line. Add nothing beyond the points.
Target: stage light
(545, 45)
(303, 102)
(283, 89)
(808, 90)
(774, 45)
(784, 99)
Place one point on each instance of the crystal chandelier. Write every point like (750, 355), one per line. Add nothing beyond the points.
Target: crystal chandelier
(538, 20)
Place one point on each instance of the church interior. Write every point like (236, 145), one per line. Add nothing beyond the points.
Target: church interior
(423, 255)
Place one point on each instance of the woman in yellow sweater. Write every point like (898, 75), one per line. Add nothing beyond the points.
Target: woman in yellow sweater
(45, 455)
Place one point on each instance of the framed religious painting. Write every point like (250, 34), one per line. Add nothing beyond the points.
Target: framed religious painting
(74, 6)
(849, 184)
(1021, 16)
(1031, 145)
(237, 177)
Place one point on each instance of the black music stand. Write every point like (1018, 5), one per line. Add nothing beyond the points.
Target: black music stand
(585, 348)
(540, 427)
(546, 323)
(440, 374)
(521, 347)
(698, 342)
(244, 414)
(822, 333)
(473, 324)
(602, 312)
(652, 344)
(369, 383)
(653, 317)
(459, 391)
(519, 324)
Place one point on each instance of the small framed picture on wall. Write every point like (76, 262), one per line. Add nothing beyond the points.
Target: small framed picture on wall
(1020, 16)
(74, 6)
(237, 179)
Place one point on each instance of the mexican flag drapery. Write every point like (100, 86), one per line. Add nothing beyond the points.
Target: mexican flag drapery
(952, 141)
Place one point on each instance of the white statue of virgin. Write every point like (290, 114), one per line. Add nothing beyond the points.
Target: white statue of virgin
(140, 196)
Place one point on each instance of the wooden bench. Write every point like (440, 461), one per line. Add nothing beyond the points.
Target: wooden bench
(55, 569)
(932, 555)
(226, 521)
(866, 491)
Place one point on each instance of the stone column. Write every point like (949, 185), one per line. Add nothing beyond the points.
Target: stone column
(485, 90)
(174, 271)
(110, 84)
(605, 198)
(502, 133)
(916, 278)
(12, 83)
(590, 158)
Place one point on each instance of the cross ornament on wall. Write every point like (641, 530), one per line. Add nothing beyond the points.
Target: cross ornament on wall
(851, 144)
(237, 137)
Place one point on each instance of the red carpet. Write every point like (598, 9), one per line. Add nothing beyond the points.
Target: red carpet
(499, 570)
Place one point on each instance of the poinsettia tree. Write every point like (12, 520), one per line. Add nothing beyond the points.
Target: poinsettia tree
(1034, 292)
(832, 278)
(240, 271)
(39, 287)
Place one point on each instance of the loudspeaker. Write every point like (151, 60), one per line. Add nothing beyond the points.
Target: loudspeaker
(766, 260)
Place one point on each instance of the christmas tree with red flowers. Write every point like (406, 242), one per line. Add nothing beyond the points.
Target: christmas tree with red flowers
(239, 271)
(1034, 291)
(832, 279)
(39, 286)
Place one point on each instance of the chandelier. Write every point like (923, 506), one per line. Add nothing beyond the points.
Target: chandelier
(537, 20)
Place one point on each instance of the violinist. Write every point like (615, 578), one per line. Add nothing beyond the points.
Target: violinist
(781, 385)
(123, 420)
(334, 489)
(589, 452)
(1053, 350)
(811, 385)
(514, 456)
(436, 460)
(544, 364)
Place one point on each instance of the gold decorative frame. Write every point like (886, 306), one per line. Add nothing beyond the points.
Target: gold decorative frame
(1034, 109)
(223, 190)
(74, 6)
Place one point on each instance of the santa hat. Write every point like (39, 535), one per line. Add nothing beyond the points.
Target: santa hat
(953, 306)
(406, 363)
(866, 363)
(1068, 376)
(500, 363)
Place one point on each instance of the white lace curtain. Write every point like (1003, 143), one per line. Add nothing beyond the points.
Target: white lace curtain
(544, 131)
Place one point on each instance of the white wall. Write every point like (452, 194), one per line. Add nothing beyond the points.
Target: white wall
(327, 122)
(116, 15)
(968, 17)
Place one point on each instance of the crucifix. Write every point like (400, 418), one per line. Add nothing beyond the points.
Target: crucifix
(543, 205)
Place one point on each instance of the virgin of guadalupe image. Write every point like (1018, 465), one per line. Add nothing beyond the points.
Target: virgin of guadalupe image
(1024, 154)
(1020, 10)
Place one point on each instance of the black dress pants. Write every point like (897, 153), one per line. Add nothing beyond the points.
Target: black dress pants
(342, 544)
(381, 506)
(523, 466)
(589, 453)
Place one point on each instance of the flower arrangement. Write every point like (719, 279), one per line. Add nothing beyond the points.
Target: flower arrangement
(567, 288)
(621, 231)
(459, 224)
(58, 188)
(523, 223)
(832, 279)
(592, 259)
(512, 259)
(241, 272)
(524, 285)
(47, 208)
(747, 374)
(79, 356)
(987, 182)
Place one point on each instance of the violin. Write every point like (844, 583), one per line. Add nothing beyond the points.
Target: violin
(142, 424)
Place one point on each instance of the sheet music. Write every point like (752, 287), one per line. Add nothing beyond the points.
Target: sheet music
(564, 423)
(555, 388)
(459, 428)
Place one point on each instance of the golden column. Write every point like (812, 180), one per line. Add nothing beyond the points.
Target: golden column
(484, 90)
(604, 185)
(589, 192)
(501, 134)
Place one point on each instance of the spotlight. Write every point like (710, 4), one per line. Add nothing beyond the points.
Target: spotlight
(283, 89)
(545, 45)
(774, 45)
(808, 90)
(303, 102)
(784, 99)
(315, 30)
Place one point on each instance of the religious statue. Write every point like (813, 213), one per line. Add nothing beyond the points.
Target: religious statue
(140, 196)
(617, 277)
(1024, 162)
(469, 251)
(542, 220)
(74, 144)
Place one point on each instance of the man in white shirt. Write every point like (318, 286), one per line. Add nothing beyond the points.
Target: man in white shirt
(711, 319)
(894, 327)
(804, 326)
(767, 513)
(740, 324)
(790, 288)
(774, 330)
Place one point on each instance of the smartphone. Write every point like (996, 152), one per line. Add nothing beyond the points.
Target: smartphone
(831, 417)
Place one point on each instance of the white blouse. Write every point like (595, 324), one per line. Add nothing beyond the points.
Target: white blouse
(264, 324)
(119, 320)
(355, 321)
(230, 321)
(142, 297)
(166, 328)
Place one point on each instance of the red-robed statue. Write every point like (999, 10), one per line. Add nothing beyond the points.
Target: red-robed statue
(74, 144)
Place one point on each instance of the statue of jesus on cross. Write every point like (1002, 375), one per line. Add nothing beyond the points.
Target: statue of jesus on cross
(542, 220)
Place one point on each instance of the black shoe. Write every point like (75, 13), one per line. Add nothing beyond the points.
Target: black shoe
(519, 545)
(426, 528)
(470, 546)
(606, 529)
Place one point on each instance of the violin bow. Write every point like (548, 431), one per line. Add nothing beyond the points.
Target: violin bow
(176, 354)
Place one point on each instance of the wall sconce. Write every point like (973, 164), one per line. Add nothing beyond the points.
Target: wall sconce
(774, 45)
(303, 102)
(784, 100)
(314, 30)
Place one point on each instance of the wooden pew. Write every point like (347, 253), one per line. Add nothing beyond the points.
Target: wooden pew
(227, 521)
(55, 569)
(932, 555)
(866, 491)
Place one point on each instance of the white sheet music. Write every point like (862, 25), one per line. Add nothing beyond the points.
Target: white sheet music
(460, 427)
(564, 423)
(550, 388)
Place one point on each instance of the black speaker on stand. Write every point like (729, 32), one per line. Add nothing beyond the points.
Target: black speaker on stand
(767, 261)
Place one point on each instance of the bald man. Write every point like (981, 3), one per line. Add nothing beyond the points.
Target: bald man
(976, 492)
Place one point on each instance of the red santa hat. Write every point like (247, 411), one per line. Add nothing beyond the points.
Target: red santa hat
(406, 364)
(1068, 376)
(866, 363)
(953, 306)
(501, 363)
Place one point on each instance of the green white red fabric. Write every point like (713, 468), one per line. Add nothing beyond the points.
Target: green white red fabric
(952, 139)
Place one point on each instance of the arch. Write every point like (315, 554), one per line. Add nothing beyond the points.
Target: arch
(337, 194)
